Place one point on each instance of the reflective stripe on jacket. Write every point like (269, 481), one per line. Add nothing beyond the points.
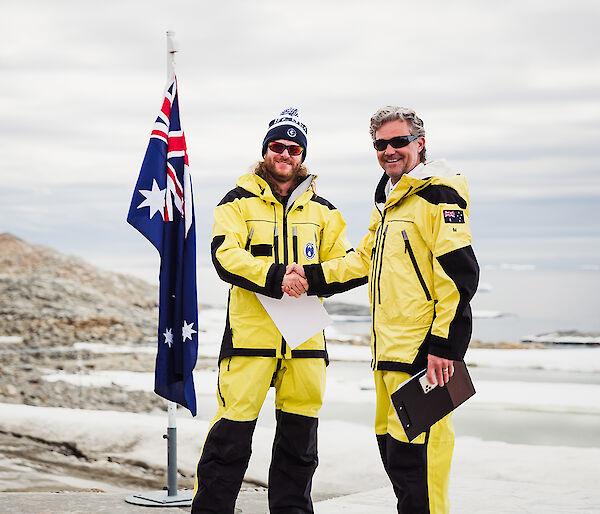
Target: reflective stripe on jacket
(421, 268)
(254, 238)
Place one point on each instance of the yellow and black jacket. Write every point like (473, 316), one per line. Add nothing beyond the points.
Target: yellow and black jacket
(421, 267)
(254, 238)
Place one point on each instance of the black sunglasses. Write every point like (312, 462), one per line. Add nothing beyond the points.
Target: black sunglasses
(396, 142)
(276, 147)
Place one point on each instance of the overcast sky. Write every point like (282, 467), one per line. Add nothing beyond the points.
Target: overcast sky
(509, 93)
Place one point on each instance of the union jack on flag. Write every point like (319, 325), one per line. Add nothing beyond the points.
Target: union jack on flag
(162, 210)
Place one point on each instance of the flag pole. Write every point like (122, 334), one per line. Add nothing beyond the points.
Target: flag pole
(171, 435)
(173, 498)
(172, 49)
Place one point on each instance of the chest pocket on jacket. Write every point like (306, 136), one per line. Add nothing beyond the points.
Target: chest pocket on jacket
(406, 270)
(261, 239)
(305, 243)
(261, 250)
(411, 254)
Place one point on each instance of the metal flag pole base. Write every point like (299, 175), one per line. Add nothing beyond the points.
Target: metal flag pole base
(161, 499)
(170, 496)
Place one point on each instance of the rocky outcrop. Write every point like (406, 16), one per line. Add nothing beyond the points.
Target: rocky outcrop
(49, 298)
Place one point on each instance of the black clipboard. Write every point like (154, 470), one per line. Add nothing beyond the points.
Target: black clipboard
(419, 406)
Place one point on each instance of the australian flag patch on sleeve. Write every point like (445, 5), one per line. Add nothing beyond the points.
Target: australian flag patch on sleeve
(456, 216)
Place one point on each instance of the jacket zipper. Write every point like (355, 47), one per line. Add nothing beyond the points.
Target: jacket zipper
(374, 258)
(249, 239)
(408, 248)
(295, 242)
(285, 238)
(285, 261)
(373, 272)
(381, 265)
(275, 235)
(276, 244)
(379, 255)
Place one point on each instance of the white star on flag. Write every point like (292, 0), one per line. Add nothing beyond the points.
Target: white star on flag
(168, 336)
(187, 331)
(155, 199)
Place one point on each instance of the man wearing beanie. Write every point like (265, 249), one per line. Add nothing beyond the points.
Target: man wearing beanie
(270, 219)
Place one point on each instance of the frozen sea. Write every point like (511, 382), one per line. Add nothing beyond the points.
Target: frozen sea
(528, 396)
(514, 300)
(518, 301)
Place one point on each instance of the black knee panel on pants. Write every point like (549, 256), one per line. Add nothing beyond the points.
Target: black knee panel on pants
(406, 465)
(382, 443)
(222, 466)
(293, 463)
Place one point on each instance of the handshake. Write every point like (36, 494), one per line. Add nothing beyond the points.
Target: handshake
(294, 281)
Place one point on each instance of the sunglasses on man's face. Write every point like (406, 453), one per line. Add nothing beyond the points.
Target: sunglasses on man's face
(396, 142)
(276, 147)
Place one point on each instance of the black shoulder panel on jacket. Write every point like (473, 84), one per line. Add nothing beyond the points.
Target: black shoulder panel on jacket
(236, 194)
(437, 194)
(322, 201)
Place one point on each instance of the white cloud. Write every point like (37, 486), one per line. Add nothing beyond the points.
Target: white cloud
(509, 93)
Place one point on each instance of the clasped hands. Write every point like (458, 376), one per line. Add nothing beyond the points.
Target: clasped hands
(294, 281)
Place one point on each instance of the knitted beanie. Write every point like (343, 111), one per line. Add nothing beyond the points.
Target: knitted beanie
(287, 126)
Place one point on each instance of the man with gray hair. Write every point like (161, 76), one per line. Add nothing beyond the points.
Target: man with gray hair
(422, 274)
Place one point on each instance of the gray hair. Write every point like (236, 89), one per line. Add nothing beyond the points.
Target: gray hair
(392, 113)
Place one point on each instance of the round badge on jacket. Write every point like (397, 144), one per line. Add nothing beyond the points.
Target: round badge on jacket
(310, 250)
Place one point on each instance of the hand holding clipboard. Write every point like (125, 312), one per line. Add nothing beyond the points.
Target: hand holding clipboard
(420, 404)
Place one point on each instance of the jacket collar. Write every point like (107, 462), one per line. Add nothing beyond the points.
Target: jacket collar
(434, 172)
(258, 186)
(302, 188)
(406, 186)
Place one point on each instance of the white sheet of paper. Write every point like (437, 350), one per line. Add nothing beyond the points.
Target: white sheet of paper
(298, 319)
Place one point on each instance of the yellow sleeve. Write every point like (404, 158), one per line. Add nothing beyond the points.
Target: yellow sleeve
(455, 279)
(345, 272)
(234, 264)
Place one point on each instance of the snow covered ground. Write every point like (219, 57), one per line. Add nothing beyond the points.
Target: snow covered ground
(491, 477)
(488, 475)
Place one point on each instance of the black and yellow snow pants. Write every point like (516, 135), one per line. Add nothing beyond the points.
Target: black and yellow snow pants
(419, 470)
(241, 390)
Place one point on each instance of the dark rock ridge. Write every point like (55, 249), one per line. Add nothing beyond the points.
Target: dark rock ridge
(49, 299)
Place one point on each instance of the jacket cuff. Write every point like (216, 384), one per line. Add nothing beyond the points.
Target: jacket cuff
(274, 280)
(440, 347)
(315, 279)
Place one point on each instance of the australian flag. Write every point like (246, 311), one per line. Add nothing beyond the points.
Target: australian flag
(162, 210)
